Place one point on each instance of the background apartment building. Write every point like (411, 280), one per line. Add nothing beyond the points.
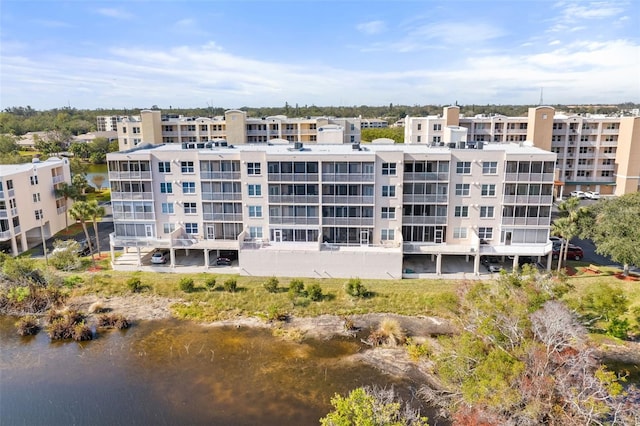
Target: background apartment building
(595, 152)
(108, 123)
(29, 208)
(333, 210)
(236, 128)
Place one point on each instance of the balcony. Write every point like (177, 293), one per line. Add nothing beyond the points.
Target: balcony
(528, 177)
(424, 198)
(131, 196)
(61, 210)
(348, 177)
(528, 199)
(293, 177)
(222, 196)
(128, 175)
(347, 199)
(57, 179)
(294, 199)
(426, 176)
(134, 216)
(294, 220)
(222, 217)
(5, 235)
(529, 221)
(220, 175)
(347, 221)
(424, 220)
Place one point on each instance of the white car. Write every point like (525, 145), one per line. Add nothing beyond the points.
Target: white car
(579, 194)
(159, 257)
(592, 195)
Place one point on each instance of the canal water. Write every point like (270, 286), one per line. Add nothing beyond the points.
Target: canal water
(175, 373)
(98, 169)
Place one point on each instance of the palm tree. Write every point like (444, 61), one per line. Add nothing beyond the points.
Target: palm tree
(566, 229)
(96, 212)
(81, 211)
(66, 191)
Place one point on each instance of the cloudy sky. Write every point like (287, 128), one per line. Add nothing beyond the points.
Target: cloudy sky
(127, 54)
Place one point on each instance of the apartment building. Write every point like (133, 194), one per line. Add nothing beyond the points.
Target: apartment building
(108, 123)
(29, 209)
(373, 123)
(595, 152)
(236, 128)
(333, 210)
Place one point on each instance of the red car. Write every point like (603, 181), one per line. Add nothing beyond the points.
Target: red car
(573, 253)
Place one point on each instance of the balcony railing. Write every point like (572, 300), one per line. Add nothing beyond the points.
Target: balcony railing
(128, 175)
(533, 221)
(134, 216)
(62, 209)
(5, 235)
(424, 220)
(536, 177)
(131, 195)
(57, 179)
(295, 199)
(223, 217)
(347, 199)
(348, 221)
(348, 177)
(294, 220)
(220, 175)
(425, 176)
(293, 177)
(528, 199)
(424, 198)
(221, 196)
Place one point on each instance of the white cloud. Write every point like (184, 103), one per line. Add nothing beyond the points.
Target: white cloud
(371, 27)
(115, 13)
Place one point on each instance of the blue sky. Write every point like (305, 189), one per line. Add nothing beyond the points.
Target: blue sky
(128, 54)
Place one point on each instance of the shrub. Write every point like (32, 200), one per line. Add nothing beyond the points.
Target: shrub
(186, 284)
(275, 313)
(210, 283)
(68, 326)
(81, 332)
(296, 288)
(388, 333)
(27, 325)
(314, 291)
(72, 281)
(113, 321)
(231, 285)
(271, 285)
(354, 288)
(618, 328)
(134, 284)
(417, 350)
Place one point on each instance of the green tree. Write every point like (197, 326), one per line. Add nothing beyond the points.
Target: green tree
(8, 144)
(568, 225)
(614, 226)
(82, 212)
(66, 191)
(96, 213)
(80, 184)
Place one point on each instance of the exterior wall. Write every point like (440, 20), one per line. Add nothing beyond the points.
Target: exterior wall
(540, 127)
(628, 156)
(150, 127)
(30, 206)
(452, 116)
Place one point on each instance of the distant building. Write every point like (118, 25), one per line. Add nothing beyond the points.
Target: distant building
(108, 123)
(28, 205)
(28, 140)
(595, 152)
(91, 136)
(373, 123)
(235, 127)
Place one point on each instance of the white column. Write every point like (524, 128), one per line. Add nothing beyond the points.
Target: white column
(515, 262)
(439, 264)
(476, 265)
(139, 256)
(206, 258)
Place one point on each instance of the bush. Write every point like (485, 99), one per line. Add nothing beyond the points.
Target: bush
(113, 321)
(231, 285)
(210, 283)
(271, 285)
(71, 325)
(618, 328)
(314, 291)
(134, 284)
(275, 313)
(388, 333)
(64, 256)
(417, 350)
(296, 288)
(187, 285)
(72, 281)
(27, 325)
(354, 288)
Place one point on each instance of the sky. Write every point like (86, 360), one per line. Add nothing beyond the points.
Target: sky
(197, 53)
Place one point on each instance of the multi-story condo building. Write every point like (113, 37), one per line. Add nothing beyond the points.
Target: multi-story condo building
(235, 128)
(29, 208)
(108, 123)
(323, 210)
(595, 152)
(373, 123)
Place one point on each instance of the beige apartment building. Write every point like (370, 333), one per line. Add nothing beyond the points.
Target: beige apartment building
(108, 123)
(595, 152)
(29, 209)
(235, 128)
(332, 210)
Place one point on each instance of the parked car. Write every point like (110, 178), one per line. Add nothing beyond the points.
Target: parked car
(160, 256)
(579, 194)
(223, 261)
(573, 252)
(592, 195)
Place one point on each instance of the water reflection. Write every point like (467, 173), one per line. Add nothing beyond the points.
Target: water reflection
(168, 372)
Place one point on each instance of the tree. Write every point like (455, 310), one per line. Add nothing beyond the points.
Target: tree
(567, 226)
(80, 183)
(82, 211)
(66, 191)
(614, 226)
(96, 212)
(8, 144)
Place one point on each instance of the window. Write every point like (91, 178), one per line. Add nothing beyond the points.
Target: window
(188, 187)
(168, 228)
(136, 130)
(190, 208)
(461, 211)
(388, 169)
(164, 167)
(387, 234)
(463, 167)
(167, 208)
(605, 173)
(255, 211)
(485, 233)
(437, 127)
(187, 167)
(388, 191)
(166, 188)
(419, 139)
(10, 184)
(419, 126)
(38, 214)
(34, 180)
(486, 211)
(388, 213)
(462, 189)
(36, 197)
(437, 139)
(253, 168)
(255, 190)
(459, 232)
(488, 190)
(489, 167)
(191, 228)
(255, 232)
